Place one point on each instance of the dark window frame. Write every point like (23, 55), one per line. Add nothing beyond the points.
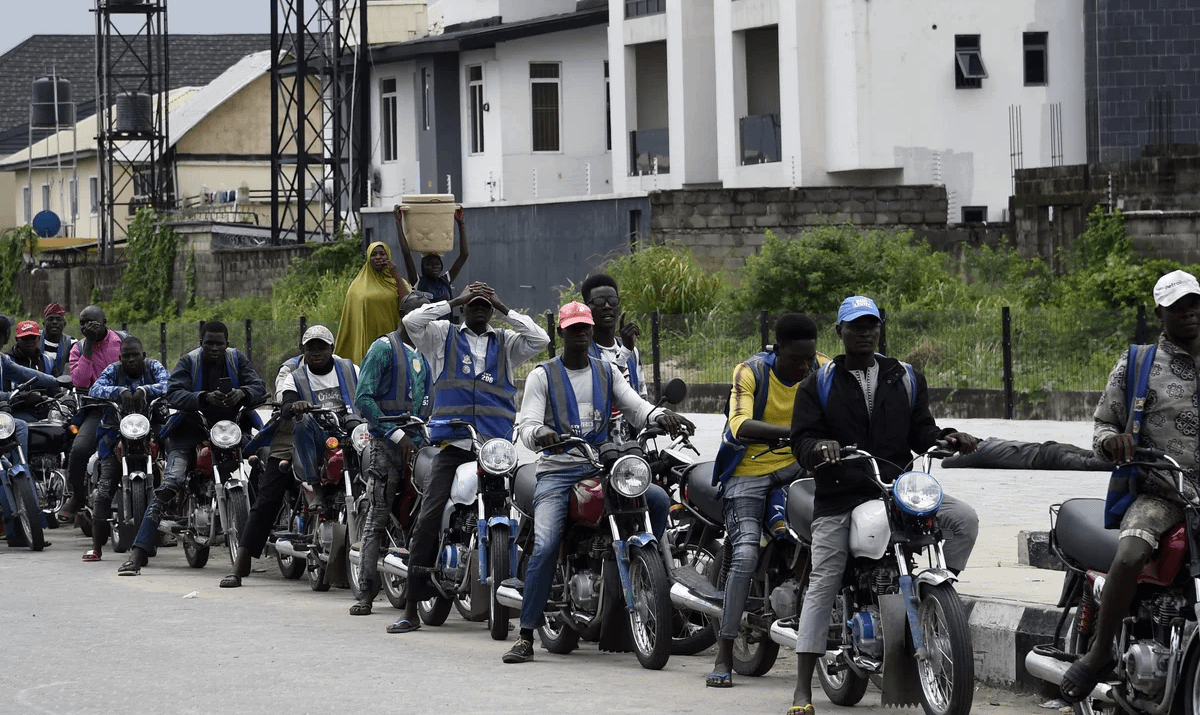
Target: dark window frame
(974, 215)
(607, 109)
(477, 107)
(388, 122)
(969, 70)
(641, 8)
(1036, 55)
(545, 106)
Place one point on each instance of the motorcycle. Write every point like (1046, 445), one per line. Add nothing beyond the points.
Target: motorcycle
(894, 622)
(49, 446)
(215, 505)
(477, 551)
(20, 493)
(611, 583)
(318, 529)
(1157, 652)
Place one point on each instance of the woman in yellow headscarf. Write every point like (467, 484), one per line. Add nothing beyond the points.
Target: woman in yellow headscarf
(372, 306)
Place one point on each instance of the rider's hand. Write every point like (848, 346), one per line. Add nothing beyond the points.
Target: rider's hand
(27, 399)
(234, 398)
(629, 332)
(1120, 446)
(829, 451)
(212, 397)
(302, 407)
(675, 423)
(131, 400)
(966, 443)
(545, 437)
(405, 444)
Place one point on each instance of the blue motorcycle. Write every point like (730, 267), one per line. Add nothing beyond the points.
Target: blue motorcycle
(18, 498)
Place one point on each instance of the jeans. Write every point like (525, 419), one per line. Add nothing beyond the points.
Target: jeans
(745, 502)
(82, 449)
(423, 550)
(551, 504)
(106, 488)
(272, 487)
(830, 548)
(175, 478)
(308, 446)
(385, 473)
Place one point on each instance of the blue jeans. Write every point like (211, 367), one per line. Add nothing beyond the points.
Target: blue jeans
(551, 506)
(174, 482)
(308, 444)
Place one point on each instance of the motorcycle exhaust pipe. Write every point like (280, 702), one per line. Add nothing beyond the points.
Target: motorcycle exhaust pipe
(784, 635)
(285, 548)
(508, 596)
(1052, 670)
(392, 564)
(683, 597)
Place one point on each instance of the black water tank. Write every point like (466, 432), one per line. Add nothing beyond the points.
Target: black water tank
(135, 113)
(44, 99)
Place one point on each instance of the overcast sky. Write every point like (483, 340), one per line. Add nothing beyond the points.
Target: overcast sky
(44, 17)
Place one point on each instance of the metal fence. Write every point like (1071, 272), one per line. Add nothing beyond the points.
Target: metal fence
(1026, 351)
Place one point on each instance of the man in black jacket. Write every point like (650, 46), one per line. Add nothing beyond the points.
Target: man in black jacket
(882, 406)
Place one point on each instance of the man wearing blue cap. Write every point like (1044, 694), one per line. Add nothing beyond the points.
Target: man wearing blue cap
(881, 405)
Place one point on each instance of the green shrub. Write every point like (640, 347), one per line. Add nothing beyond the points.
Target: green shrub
(664, 278)
(150, 255)
(14, 245)
(316, 286)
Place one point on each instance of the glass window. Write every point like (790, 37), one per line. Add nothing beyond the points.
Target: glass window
(94, 191)
(969, 71)
(637, 8)
(387, 119)
(477, 106)
(1036, 74)
(607, 110)
(544, 94)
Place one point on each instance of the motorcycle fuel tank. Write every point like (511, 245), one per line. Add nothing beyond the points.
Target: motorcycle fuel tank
(466, 484)
(870, 531)
(587, 502)
(46, 437)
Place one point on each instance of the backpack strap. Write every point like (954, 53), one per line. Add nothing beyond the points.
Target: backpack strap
(825, 383)
(1141, 359)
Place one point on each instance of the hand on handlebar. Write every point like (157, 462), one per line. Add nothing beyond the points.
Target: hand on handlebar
(545, 438)
(1120, 446)
(302, 407)
(829, 451)
(131, 401)
(404, 443)
(675, 424)
(964, 442)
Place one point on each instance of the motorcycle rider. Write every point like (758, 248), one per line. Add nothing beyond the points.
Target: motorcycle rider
(395, 380)
(874, 404)
(613, 339)
(27, 350)
(323, 380)
(194, 387)
(1150, 510)
(13, 374)
(760, 414)
(574, 394)
(134, 381)
(56, 344)
(473, 364)
(22, 406)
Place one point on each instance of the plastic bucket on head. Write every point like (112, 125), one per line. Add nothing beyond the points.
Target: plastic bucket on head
(429, 222)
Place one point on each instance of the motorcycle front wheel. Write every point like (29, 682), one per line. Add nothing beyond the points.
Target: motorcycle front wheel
(237, 505)
(290, 567)
(28, 512)
(498, 568)
(197, 555)
(650, 620)
(948, 673)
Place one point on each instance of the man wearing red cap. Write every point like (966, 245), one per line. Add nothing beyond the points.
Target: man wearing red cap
(56, 345)
(573, 394)
(27, 351)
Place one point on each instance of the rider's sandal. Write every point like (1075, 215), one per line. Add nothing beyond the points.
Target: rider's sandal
(719, 680)
(129, 568)
(231, 581)
(802, 710)
(404, 626)
(1083, 680)
(91, 555)
(360, 609)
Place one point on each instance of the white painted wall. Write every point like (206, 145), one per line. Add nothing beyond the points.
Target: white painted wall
(403, 175)
(518, 10)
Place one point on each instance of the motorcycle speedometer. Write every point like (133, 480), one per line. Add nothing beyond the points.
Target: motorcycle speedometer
(630, 476)
(917, 493)
(498, 456)
(8, 425)
(225, 434)
(135, 426)
(360, 437)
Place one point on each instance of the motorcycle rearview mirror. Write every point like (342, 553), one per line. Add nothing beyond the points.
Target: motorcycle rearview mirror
(64, 381)
(675, 391)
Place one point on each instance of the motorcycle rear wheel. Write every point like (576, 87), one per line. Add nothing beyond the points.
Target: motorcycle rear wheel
(28, 512)
(693, 632)
(752, 656)
(1189, 689)
(948, 675)
(435, 611)
(197, 555)
(1076, 644)
(557, 635)
(498, 568)
(650, 620)
(354, 573)
(237, 504)
(845, 687)
(290, 567)
(394, 587)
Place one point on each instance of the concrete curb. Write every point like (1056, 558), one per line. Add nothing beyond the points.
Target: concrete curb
(1002, 633)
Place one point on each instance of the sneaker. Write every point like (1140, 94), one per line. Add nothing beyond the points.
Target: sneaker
(521, 652)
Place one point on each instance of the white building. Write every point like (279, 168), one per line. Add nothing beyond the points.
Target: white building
(523, 100)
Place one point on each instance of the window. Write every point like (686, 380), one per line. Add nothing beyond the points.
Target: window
(607, 110)
(974, 214)
(45, 197)
(425, 97)
(387, 118)
(544, 85)
(27, 203)
(1035, 59)
(475, 88)
(74, 192)
(969, 71)
(636, 8)
(94, 190)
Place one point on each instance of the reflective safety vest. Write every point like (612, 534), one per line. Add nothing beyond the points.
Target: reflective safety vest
(196, 368)
(399, 398)
(347, 383)
(562, 405)
(484, 397)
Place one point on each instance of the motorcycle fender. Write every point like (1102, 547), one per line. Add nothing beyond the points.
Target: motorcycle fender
(137, 476)
(933, 576)
(336, 565)
(900, 677)
(622, 551)
(483, 544)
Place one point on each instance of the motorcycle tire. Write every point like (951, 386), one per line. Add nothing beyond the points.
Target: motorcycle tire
(237, 504)
(435, 611)
(751, 657)
(290, 567)
(1188, 689)
(693, 632)
(316, 573)
(197, 555)
(498, 572)
(84, 520)
(947, 676)
(844, 687)
(354, 573)
(28, 512)
(123, 535)
(557, 635)
(650, 620)
(394, 587)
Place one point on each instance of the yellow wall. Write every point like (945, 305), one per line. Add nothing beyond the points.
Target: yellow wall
(242, 125)
(85, 223)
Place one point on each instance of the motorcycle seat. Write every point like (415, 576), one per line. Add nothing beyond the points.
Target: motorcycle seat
(1081, 535)
(423, 468)
(800, 500)
(702, 494)
(524, 484)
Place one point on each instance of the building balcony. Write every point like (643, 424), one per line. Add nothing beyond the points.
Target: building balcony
(761, 139)
(650, 152)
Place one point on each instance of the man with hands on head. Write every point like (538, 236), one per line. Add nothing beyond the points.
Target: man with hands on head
(881, 405)
(473, 367)
(573, 395)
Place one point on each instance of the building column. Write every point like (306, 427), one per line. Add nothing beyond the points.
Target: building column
(692, 94)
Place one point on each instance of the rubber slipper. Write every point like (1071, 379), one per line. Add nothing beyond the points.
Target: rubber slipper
(129, 568)
(719, 680)
(360, 609)
(802, 710)
(231, 581)
(404, 626)
(1081, 680)
(92, 555)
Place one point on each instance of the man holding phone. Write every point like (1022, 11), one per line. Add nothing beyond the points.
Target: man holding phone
(214, 380)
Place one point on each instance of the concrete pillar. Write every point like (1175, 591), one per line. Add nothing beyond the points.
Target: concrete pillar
(692, 93)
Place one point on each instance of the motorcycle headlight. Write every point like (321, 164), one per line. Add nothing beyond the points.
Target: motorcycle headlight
(498, 456)
(225, 434)
(917, 493)
(8, 425)
(135, 426)
(360, 437)
(630, 476)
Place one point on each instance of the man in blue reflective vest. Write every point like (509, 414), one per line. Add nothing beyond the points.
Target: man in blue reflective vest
(473, 367)
(573, 394)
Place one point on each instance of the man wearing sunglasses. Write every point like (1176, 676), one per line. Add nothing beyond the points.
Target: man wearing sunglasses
(613, 340)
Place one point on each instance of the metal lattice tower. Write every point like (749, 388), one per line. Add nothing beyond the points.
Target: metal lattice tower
(319, 100)
(132, 80)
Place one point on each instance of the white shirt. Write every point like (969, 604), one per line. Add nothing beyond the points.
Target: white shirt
(618, 355)
(327, 390)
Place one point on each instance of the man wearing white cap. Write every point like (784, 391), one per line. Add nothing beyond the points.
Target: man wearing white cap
(1164, 373)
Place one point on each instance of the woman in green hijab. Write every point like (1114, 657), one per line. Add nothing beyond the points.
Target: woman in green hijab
(372, 306)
